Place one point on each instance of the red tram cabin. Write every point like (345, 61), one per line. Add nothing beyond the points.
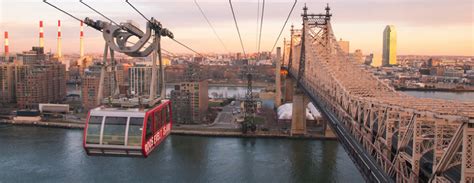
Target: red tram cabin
(127, 131)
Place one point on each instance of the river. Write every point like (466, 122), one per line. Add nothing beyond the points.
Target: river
(35, 154)
(458, 96)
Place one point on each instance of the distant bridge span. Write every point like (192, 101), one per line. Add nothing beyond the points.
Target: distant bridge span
(392, 137)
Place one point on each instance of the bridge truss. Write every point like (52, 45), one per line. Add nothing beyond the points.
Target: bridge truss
(391, 136)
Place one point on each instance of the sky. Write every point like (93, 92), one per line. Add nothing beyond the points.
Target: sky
(424, 27)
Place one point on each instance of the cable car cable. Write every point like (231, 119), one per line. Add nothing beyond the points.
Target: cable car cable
(261, 27)
(256, 31)
(182, 44)
(237, 27)
(61, 10)
(98, 12)
(210, 25)
(137, 10)
(284, 24)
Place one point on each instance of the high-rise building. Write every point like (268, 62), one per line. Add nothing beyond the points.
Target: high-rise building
(344, 45)
(7, 83)
(369, 59)
(358, 56)
(90, 86)
(193, 73)
(40, 83)
(140, 79)
(389, 56)
(181, 105)
(190, 101)
(34, 56)
(190, 98)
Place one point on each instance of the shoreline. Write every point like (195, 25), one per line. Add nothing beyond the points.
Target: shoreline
(436, 89)
(257, 84)
(180, 131)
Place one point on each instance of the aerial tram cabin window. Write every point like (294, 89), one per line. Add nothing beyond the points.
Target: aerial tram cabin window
(93, 131)
(163, 117)
(135, 131)
(158, 120)
(149, 127)
(114, 130)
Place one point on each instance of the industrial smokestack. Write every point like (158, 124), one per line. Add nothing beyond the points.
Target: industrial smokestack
(59, 40)
(41, 34)
(81, 43)
(6, 47)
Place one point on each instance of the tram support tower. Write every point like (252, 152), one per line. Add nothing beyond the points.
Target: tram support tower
(116, 38)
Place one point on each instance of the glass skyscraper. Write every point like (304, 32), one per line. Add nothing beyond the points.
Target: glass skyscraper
(389, 56)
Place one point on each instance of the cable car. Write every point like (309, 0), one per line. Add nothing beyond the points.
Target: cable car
(127, 131)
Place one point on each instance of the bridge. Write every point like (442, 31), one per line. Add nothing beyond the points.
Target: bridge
(392, 137)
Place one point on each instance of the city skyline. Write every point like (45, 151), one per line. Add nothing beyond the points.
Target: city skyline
(361, 23)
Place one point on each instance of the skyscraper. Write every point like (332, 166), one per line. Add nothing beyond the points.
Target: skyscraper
(344, 46)
(389, 56)
(190, 98)
(358, 56)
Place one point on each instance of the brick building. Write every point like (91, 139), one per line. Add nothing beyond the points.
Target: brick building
(90, 86)
(40, 83)
(190, 98)
(7, 82)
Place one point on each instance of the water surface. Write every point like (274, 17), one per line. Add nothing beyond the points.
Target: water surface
(35, 154)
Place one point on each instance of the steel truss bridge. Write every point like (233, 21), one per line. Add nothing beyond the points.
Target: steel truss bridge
(392, 137)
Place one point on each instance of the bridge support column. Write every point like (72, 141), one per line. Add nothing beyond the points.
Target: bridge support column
(277, 78)
(289, 89)
(467, 165)
(328, 132)
(298, 120)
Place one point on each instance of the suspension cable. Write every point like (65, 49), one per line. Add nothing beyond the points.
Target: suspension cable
(61, 10)
(210, 25)
(282, 28)
(237, 27)
(182, 44)
(256, 32)
(137, 11)
(261, 27)
(98, 12)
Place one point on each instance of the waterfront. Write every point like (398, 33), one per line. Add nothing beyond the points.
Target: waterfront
(35, 154)
(223, 91)
(458, 96)
(32, 154)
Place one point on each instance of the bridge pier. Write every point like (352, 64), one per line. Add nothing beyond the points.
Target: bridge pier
(278, 78)
(298, 120)
(289, 89)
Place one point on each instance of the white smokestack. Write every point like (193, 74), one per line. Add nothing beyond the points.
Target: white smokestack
(7, 52)
(59, 52)
(41, 34)
(81, 41)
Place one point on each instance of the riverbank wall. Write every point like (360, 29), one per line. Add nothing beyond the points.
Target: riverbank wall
(181, 131)
(436, 89)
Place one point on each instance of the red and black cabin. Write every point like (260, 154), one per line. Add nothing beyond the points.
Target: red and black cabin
(127, 131)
